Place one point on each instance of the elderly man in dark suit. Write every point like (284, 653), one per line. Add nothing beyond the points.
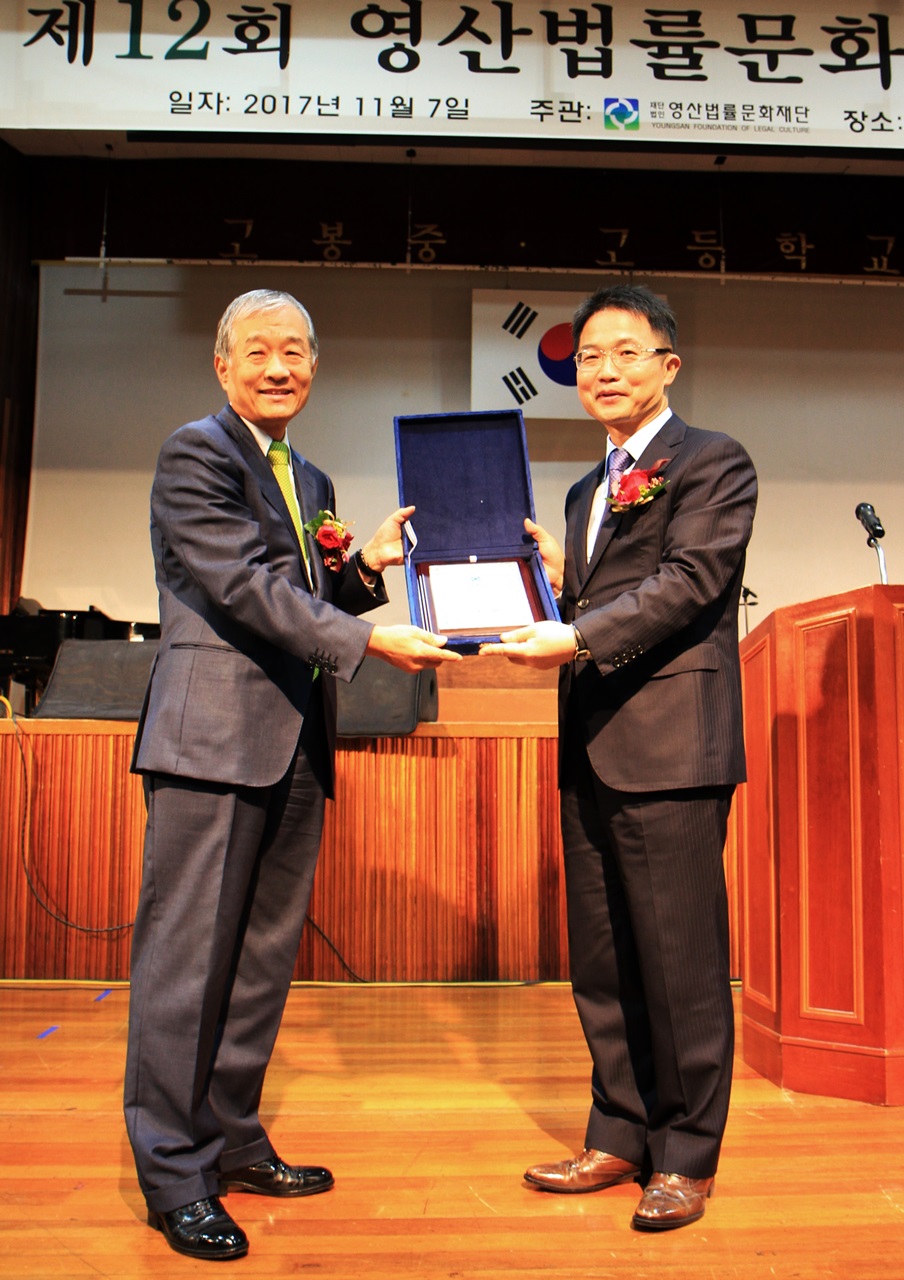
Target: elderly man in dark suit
(651, 748)
(235, 744)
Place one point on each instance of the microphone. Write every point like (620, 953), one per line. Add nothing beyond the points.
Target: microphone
(866, 514)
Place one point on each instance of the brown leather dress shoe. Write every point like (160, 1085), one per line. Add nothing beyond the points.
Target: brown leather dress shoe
(590, 1171)
(274, 1177)
(670, 1200)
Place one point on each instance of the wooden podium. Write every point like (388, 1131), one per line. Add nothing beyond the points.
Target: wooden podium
(820, 852)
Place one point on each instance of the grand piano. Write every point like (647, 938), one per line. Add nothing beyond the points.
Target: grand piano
(31, 638)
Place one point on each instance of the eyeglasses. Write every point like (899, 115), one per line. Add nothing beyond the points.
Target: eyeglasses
(589, 359)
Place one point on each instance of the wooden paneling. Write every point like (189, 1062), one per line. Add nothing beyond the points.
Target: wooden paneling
(826, 738)
(441, 859)
(756, 862)
(70, 841)
(830, 867)
(447, 846)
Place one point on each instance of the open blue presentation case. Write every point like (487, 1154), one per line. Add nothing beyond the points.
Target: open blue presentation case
(468, 476)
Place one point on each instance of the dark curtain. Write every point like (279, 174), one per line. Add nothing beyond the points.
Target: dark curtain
(18, 360)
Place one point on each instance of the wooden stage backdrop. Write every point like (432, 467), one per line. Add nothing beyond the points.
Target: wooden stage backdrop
(441, 857)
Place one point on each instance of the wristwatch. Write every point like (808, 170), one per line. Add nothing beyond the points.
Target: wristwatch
(581, 652)
(364, 566)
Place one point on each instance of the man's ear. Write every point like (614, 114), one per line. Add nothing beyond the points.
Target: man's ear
(222, 370)
(672, 365)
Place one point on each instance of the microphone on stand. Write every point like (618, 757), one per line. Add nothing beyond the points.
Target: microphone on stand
(748, 600)
(866, 514)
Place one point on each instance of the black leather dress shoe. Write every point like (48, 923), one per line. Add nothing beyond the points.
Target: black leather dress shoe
(274, 1177)
(202, 1229)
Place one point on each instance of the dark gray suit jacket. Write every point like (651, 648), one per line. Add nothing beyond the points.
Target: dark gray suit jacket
(241, 632)
(660, 704)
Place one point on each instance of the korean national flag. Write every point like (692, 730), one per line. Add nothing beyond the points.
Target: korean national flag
(521, 352)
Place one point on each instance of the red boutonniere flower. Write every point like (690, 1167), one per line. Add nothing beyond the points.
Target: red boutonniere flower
(332, 537)
(637, 488)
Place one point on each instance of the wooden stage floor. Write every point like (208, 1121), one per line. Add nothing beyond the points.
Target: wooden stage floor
(428, 1102)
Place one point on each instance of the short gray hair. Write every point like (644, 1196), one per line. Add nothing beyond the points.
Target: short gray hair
(254, 303)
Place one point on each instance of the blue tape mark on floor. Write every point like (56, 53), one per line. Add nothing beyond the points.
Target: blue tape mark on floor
(102, 995)
(48, 1032)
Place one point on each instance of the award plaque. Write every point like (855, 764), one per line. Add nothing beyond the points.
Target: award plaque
(471, 570)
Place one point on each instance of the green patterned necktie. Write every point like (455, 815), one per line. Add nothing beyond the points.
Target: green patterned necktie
(278, 457)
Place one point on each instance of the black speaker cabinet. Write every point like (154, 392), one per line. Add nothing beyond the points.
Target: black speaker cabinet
(97, 680)
(384, 702)
(107, 679)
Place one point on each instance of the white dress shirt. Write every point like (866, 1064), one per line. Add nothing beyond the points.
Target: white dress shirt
(635, 445)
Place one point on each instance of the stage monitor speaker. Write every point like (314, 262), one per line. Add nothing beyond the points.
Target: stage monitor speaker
(97, 680)
(107, 679)
(384, 702)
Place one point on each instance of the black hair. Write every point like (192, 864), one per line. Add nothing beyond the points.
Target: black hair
(636, 299)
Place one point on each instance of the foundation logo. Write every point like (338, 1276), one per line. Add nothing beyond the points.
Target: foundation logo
(621, 114)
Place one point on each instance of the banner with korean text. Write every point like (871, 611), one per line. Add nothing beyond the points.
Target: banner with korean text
(813, 74)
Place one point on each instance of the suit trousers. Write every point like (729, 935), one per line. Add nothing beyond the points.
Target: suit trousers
(648, 941)
(226, 882)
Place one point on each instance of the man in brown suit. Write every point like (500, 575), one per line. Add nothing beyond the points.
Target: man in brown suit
(651, 748)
